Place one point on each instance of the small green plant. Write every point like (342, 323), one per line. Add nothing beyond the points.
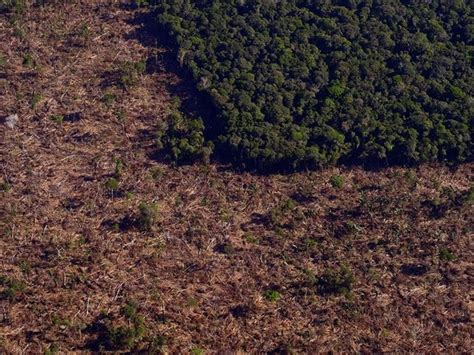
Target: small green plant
(272, 295)
(336, 281)
(446, 255)
(109, 98)
(156, 172)
(35, 100)
(112, 184)
(337, 181)
(3, 62)
(121, 116)
(130, 310)
(57, 118)
(412, 179)
(118, 169)
(197, 351)
(192, 302)
(148, 213)
(85, 31)
(52, 349)
(250, 238)
(28, 60)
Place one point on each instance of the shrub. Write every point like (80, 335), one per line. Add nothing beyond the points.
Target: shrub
(12, 288)
(130, 73)
(109, 98)
(147, 216)
(183, 139)
(468, 197)
(336, 281)
(446, 255)
(112, 184)
(115, 334)
(16, 6)
(28, 60)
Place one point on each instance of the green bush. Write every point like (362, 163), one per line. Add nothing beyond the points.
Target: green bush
(148, 213)
(336, 281)
(298, 83)
(182, 139)
(272, 295)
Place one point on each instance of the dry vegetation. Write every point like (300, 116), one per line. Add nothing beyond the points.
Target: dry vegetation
(103, 246)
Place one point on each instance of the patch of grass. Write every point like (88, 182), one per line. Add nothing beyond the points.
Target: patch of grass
(130, 310)
(272, 295)
(337, 181)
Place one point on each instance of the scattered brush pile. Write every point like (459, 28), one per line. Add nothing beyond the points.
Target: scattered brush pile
(310, 83)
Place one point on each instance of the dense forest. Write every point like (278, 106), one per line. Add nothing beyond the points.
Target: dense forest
(311, 83)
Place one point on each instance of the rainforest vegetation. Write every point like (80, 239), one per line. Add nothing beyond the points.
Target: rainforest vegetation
(311, 83)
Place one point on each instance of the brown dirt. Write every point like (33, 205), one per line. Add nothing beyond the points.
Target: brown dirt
(71, 254)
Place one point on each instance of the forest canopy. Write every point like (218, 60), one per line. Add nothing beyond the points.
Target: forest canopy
(311, 83)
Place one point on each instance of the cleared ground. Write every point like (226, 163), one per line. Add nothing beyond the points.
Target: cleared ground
(91, 220)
